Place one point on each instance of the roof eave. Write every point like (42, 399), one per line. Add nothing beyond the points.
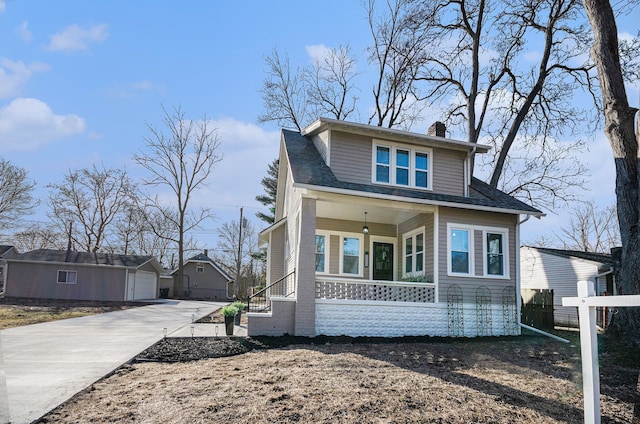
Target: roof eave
(321, 124)
(414, 200)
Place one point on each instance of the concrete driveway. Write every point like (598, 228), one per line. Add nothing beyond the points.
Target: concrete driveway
(43, 365)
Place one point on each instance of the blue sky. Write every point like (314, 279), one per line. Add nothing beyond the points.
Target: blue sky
(80, 81)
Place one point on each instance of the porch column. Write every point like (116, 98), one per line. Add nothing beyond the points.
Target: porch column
(305, 314)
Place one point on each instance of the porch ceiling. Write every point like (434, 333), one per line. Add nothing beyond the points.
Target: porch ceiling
(355, 212)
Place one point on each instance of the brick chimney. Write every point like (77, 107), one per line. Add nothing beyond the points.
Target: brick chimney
(438, 129)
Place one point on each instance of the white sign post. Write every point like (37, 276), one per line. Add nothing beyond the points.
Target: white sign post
(587, 302)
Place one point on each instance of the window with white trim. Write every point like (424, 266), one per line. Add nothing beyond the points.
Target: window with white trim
(67, 277)
(383, 164)
(402, 166)
(460, 251)
(351, 255)
(495, 246)
(200, 268)
(413, 253)
(462, 258)
(321, 253)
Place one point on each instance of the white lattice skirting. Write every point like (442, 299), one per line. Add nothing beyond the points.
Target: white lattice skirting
(394, 319)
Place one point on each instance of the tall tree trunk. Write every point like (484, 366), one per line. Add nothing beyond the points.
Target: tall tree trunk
(619, 128)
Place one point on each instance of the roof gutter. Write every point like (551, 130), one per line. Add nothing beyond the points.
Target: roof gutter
(413, 200)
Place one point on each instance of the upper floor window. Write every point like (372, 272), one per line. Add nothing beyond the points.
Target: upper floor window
(200, 268)
(402, 166)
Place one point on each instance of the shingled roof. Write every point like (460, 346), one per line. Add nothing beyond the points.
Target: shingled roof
(82, 258)
(308, 168)
(201, 257)
(589, 256)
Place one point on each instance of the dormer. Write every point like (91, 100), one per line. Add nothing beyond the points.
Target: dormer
(364, 154)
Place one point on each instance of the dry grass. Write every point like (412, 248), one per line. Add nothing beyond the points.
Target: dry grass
(19, 312)
(530, 380)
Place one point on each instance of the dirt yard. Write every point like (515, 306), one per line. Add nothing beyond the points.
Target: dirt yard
(499, 380)
(19, 312)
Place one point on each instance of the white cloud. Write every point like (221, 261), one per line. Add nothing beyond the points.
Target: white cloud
(74, 37)
(247, 151)
(143, 85)
(23, 32)
(13, 75)
(27, 124)
(130, 90)
(318, 52)
(2, 5)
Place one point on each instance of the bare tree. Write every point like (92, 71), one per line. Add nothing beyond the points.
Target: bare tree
(622, 127)
(329, 82)
(323, 88)
(476, 55)
(16, 198)
(227, 252)
(591, 229)
(284, 94)
(541, 167)
(38, 236)
(179, 158)
(86, 203)
(397, 54)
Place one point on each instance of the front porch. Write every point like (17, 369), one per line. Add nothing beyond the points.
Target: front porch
(359, 266)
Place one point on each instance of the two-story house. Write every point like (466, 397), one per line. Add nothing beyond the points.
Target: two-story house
(382, 232)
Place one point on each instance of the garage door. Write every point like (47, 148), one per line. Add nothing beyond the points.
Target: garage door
(145, 285)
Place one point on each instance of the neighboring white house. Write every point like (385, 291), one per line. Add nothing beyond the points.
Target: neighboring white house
(560, 270)
(383, 232)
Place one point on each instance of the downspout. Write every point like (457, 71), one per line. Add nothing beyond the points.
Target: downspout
(468, 170)
(524, 220)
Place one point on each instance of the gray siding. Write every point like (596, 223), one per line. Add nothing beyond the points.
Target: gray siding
(334, 254)
(351, 157)
(39, 280)
(209, 284)
(448, 171)
(351, 161)
(469, 285)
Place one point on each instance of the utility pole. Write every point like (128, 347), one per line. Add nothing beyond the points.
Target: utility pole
(239, 258)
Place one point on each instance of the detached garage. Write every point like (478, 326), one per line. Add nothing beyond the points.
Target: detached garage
(61, 274)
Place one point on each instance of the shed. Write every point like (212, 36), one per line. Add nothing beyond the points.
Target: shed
(205, 279)
(62, 274)
(560, 270)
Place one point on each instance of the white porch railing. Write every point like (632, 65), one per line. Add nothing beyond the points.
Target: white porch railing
(382, 291)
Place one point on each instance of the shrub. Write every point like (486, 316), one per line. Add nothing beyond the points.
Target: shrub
(239, 305)
(229, 311)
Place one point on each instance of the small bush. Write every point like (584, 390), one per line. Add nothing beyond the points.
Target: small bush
(239, 305)
(229, 311)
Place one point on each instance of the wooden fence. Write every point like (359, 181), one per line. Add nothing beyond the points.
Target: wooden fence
(537, 308)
